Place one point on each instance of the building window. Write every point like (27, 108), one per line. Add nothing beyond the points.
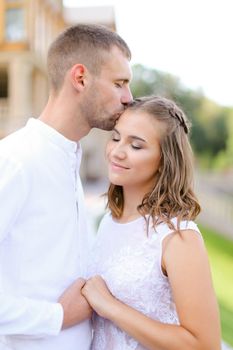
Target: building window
(3, 83)
(15, 24)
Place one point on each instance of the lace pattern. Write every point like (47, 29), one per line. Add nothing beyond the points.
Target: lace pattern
(129, 262)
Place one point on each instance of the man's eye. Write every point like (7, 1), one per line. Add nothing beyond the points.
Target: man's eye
(115, 139)
(119, 85)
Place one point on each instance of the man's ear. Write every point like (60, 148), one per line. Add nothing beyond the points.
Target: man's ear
(78, 75)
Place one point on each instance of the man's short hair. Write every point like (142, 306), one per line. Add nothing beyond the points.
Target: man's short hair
(85, 44)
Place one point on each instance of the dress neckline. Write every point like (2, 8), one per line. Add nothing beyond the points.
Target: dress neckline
(128, 222)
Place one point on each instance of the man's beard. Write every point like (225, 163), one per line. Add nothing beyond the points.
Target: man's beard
(96, 116)
(106, 123)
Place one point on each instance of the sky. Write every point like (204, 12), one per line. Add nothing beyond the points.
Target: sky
(192, 39)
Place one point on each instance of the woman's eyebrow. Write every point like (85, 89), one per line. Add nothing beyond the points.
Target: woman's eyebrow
(134, 137)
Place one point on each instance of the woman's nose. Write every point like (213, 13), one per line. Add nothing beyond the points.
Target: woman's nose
(118, 152)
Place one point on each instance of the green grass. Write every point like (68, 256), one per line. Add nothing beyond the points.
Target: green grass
(220, 251)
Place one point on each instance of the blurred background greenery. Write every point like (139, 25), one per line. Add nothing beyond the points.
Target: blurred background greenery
(220, 251)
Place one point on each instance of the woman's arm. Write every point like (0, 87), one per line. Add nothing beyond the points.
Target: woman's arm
(186, 264)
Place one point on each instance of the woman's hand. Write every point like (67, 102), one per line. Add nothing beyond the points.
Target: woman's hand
(75, 307)
(98, 296)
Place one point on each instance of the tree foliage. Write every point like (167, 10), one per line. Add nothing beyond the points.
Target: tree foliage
(211, 134)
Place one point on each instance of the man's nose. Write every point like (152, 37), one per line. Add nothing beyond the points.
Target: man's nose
(127, 97)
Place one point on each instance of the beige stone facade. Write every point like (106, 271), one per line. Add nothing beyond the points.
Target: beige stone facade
(27, 27)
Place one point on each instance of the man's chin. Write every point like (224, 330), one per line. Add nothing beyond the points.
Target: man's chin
(108, 127)
(109, 123)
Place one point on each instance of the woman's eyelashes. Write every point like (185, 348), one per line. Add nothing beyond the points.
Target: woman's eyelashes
(136, 147)
(132, 145)
(116, 138)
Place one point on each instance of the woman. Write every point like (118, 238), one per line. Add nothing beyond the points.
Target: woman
(151, 286)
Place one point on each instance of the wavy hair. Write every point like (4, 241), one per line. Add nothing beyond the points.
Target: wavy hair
(172, 195)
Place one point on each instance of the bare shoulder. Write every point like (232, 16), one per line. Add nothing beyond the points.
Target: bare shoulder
(185, 241)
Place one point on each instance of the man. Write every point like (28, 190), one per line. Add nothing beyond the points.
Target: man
(43, 235)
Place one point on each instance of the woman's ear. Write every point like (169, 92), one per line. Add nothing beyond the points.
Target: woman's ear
(78, 74)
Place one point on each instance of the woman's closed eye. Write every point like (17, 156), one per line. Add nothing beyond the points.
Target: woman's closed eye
(136, 146)
(115, 137)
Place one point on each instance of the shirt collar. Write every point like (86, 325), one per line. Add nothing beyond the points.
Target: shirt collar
(54, 136)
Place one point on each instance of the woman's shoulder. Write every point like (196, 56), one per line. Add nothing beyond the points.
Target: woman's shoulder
(163, 229)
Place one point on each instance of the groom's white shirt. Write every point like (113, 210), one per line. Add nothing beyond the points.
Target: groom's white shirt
(43, 238)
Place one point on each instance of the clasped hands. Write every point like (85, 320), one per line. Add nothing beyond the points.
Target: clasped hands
(82, 297)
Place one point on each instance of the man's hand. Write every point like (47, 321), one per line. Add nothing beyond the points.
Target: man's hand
(75, 306)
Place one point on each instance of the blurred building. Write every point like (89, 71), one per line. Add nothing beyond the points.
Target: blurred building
(27, 27)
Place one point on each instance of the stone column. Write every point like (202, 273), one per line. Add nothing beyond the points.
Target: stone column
(20, 91)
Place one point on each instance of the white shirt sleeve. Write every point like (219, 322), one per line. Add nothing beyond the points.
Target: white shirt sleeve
(13, 192)
(20, 315)
(27, 317)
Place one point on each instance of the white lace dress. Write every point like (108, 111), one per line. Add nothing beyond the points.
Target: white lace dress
(129, 261)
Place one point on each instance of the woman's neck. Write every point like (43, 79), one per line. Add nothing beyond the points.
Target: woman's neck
(132, 199)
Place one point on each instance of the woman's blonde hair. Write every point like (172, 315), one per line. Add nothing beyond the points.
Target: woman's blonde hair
(172, 195)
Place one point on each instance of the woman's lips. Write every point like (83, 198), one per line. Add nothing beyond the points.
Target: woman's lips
(115, 165)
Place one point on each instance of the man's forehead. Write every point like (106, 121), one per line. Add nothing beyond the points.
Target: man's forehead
(118, 65)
